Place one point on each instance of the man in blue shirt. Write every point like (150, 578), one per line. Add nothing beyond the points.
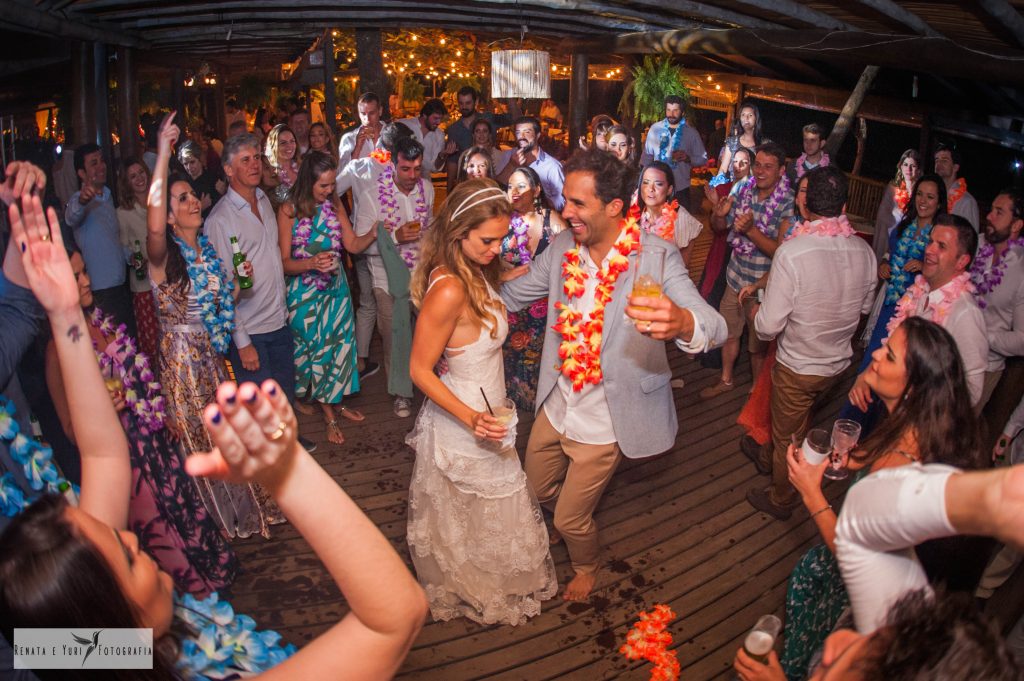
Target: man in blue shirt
(529, 153)
(674, 142)
(93, 217)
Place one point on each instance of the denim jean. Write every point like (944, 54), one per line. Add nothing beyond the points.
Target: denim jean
(276, 351)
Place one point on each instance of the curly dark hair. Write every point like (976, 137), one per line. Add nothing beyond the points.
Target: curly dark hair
(940, 638)
(933, 406)
(826, 191)
(613, 179)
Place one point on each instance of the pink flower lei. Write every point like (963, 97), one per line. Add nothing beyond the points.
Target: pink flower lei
(300, 241)
(911, 300)
(839, 226)
(985, 278)
(132, 367)
(741, 244)
(800, 170)
(393, 217)
(664, 225)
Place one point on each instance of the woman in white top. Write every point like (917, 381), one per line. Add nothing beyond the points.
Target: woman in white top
(133, 187)
(670, 221)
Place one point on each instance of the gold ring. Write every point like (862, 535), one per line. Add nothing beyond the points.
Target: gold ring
(279, 433)
(45, 236)
(648, 326)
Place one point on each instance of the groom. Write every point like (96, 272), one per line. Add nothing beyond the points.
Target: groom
(595, 406)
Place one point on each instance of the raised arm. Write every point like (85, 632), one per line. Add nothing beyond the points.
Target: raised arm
(156, 213)
(106, 471)
(255, 436)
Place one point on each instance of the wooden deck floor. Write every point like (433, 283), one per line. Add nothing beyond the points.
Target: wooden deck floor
(676, 529)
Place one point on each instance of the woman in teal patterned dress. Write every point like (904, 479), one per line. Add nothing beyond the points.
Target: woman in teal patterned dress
(314, 234)
(531, 228)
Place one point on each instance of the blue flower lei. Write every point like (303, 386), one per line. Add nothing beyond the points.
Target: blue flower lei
(225, 643)
(669, 142)
(35, 458)
(219, 320)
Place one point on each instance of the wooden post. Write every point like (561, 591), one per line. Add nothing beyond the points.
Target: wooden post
(578, 83)
(369, 45)
(926, 138)
(128, 102)
(101, 92)
(849, 112)
(330, 107)
(220, 123)
(862, 137)
(178, 95)
(628, 63)
(83, 108)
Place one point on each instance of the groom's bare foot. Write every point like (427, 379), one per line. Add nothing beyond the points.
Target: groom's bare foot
(580, 587)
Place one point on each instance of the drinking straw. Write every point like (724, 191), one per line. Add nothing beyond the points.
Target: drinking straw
(486, 401)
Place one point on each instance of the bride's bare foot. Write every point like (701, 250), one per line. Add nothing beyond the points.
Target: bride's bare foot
(580, 587)
(334, 433)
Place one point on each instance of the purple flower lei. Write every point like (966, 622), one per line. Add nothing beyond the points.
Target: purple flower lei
(986, 278)
(741, 244)
(132, 369)
(519, 239)
(300, 241)
(392, 216)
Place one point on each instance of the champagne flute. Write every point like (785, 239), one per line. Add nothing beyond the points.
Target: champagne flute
(845, 434)
(761, 639)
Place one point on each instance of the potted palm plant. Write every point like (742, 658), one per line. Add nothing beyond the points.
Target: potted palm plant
(643, 100)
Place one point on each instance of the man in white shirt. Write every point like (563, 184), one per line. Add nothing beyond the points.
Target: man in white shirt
(427, 131)
(819, 285)
(998, 277)
(943, 275)
(947, 166)
(674, 142)
(529, 153)
(360, 142)
(262, 345)
(402, 200)
(584, 426)
(299, 122)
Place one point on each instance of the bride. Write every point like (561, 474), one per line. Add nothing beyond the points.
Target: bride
(475, 532)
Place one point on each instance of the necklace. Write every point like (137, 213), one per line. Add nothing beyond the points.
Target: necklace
(669, 141)
(580, 349)
(955, 193)
(985, 278)
(801, 170)
(839, 226)
(36, 461)
(381, 155)
(902, 196)
(909, 247)
(766, 220)
(300, 241)
(518, 244)
(133, 370)
(664, 225)
(909, 303)
(392, 216)
(217, 311)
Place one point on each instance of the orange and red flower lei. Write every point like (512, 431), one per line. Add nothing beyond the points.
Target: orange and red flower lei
(580, 350)
(648, 640)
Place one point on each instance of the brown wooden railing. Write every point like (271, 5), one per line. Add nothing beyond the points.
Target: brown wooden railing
(863, 198)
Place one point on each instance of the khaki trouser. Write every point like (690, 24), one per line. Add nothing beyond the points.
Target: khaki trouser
(569, 477)
(988, 387)
(793, 396)
(385, 309)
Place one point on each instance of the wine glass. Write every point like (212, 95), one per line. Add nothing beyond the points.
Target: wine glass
(845, 434)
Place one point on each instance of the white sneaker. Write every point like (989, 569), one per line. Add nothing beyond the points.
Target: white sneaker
(403, 407)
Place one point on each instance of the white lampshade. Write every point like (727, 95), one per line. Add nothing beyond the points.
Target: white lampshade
(520, 73)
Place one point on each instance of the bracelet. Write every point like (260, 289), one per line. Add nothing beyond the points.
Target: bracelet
(821, 510)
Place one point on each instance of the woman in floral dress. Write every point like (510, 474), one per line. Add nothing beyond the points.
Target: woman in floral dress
(314, 234)
(195, 306)
(532, 225)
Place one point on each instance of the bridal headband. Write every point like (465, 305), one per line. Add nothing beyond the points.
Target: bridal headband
(494, 193)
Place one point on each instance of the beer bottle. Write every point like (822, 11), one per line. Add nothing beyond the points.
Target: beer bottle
(237, 259)
(139, 261)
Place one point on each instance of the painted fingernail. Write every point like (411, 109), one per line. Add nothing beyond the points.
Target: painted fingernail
(232, 397)
(22, 246)
(272, 390)
(216, 417)
(252, 398)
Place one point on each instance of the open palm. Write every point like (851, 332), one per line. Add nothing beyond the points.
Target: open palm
(43, 257)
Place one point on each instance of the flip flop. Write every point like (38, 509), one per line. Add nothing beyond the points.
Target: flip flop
(332, 425)
(351, 414)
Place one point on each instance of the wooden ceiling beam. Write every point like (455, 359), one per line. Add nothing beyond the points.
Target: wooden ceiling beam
(22, 17)
(679, 7)
(944, 57)
(905, 17)
(1007, 15)
(800, 12)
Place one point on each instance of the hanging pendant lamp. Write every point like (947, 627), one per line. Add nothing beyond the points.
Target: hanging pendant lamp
(520, 73)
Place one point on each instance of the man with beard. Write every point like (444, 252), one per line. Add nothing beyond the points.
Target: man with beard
(461, 131)
(674, 142)
(948, 162)
(529, 153)
(602, 397)
(425, 128)
(998, 277)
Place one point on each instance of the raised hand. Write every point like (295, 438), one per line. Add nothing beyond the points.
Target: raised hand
(169, 132)
(47, 268)
(23, 179)
(86, 195)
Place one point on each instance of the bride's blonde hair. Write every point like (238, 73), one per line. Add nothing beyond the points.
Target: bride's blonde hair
(470, 204)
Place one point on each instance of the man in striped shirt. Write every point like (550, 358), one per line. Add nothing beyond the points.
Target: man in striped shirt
(754, 233)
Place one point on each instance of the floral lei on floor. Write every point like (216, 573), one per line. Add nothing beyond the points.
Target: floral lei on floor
(801, 171)
(300, 241)
(519, 238)
(648, 640)
(217, 312)
(225, 643)
(839, 226)
(909, 303)
(665, 224)
(133, 370)
(393, 217)
(36, 460)
(581, 357)
(955, 193)
(985, 278)
(741, 244)
(902, 196)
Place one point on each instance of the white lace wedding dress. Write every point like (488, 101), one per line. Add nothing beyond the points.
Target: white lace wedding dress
(476, 533)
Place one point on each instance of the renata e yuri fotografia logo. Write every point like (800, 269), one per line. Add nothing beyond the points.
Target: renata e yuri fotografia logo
(83, 649)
